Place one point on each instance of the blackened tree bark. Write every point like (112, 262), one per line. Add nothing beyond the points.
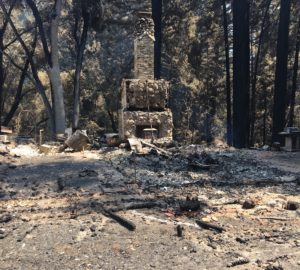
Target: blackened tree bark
(85, 13)
(80, 48)
(228, 80)
(1, 73)
(280, 90)
(241, 79)
(2, 32)
(255, 71)
(157, 17)
(19, 95)
(38, 84)
(295, 77)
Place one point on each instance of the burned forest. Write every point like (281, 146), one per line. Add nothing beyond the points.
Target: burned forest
(155, 134)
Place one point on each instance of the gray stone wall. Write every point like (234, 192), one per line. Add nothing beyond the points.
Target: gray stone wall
(145, 94)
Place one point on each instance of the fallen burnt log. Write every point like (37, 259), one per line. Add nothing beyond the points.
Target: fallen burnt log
(194, 165)
(159, 151)
(122, 221)
(247, 182)
(140, 205)
(208, 226)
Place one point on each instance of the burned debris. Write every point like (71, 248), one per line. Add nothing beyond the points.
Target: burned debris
(140, 190)
(157, 195)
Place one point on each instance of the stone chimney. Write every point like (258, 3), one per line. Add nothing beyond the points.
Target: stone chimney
(144, 46)
(144, 111)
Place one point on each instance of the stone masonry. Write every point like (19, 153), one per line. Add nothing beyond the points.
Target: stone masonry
(144, 112)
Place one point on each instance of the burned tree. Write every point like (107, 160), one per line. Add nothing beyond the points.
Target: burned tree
(241, 78)
(279, 106)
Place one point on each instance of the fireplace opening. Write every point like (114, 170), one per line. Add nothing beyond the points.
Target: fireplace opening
(147, 132)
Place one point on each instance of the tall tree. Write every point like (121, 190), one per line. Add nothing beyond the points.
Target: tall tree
(228, 80)
(241, 79)
(280, 89)
(19, 95)
(3, 28)
(84, 13)
(52, 58)
(38, 84)
(295, 77)
(255, 72)
(54, 72)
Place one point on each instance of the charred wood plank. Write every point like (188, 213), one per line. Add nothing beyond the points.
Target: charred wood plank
(159, 150)
(134, 206)
(208, 226)
(121, 220)
(198, 166)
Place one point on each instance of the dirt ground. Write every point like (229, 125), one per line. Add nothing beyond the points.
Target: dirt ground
(52, 209)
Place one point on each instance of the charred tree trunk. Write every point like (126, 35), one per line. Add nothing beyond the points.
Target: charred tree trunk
(54, 72)
(255, 71)
(265, 116)
(19, 95)
(52, 59)
(279, 107)
(81, 43)
(228, 80)
(112, 121)
(294, 83)
(2, 31)
(1, 74)
(241, 56)
(38, 83)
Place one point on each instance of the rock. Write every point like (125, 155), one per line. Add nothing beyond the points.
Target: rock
(287, 179)
(5, 218)
(278, 203)
(293, 206)
(78, 141)
(3, 150)
(93, 228)
(25, 219)
(273, 267)
(248, 204)
(266, 147)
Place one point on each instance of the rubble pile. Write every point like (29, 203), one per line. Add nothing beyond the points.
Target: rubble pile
(188, 165)
(221, 203)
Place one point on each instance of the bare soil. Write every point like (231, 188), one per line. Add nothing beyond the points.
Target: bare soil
(51, 215)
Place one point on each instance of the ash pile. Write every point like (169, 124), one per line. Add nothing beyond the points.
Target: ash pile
(196, 166)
